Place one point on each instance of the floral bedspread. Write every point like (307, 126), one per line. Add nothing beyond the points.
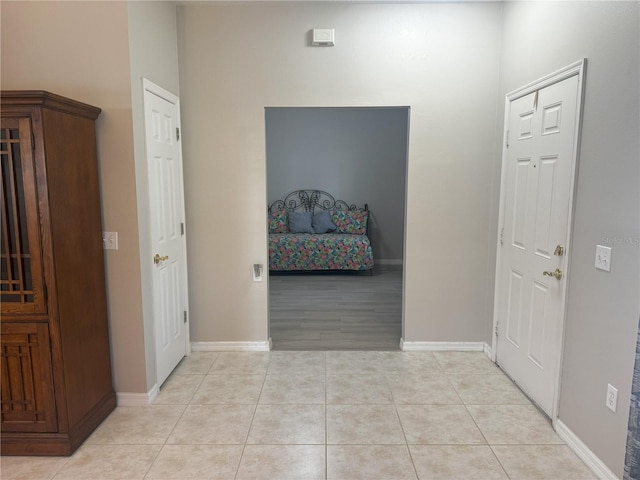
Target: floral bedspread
(331, 251)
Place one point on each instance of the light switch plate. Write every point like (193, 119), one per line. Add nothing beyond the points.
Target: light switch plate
(110, 240)
(603, 258)
(612, 398)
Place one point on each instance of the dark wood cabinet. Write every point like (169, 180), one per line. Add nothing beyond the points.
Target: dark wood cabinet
(55, 361)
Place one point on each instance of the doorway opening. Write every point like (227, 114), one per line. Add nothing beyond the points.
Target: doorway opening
(358, 155)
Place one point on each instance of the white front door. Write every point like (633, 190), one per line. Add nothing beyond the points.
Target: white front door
(169, 262)
(538, 177)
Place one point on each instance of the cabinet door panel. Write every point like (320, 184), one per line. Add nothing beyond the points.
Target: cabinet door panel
(21, 283)
(28, 403)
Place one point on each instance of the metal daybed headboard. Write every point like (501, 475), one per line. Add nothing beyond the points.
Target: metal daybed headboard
(308, 200)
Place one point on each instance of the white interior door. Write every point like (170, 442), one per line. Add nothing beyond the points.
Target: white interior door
(164, 162)
(537, 191)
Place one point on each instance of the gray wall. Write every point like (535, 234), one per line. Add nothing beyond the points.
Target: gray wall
(602, 317)
(358, 155)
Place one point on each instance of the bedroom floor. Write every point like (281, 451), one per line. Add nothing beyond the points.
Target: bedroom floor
(329, 311)
(322, 415)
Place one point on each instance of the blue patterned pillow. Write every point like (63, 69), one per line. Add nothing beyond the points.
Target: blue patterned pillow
(322, 223)
(300, 222)
(352, 221)
(278, 222)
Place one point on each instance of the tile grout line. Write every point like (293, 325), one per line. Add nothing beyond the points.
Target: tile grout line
(447, 375)
(244, 446)
(177, 421)
(326, 422)
(404, 433)
(57, 472)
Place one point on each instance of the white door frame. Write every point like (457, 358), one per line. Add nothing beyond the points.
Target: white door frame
(149, 86)
(577, 68)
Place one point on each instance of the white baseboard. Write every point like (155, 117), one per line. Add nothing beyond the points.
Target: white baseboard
(583, 452)
(230, 346)
(444, 346)
(124, 399)
(388, 261)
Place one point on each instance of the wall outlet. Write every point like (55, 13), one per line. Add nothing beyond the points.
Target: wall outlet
(110, 240)
(612, 398)
(603, 258)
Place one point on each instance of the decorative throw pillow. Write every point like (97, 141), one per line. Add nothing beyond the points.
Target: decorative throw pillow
(300, 222)
(322, 223)
(352, 221)
(278, 222)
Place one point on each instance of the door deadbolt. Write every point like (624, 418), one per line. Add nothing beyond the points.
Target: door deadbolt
(559, 251)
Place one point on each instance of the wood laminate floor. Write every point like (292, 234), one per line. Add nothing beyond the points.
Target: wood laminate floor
(336, 311)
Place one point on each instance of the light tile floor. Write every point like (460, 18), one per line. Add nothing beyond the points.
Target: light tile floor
(322, 415)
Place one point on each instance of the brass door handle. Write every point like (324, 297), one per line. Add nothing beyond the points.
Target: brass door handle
(557, 273)
(157, 259)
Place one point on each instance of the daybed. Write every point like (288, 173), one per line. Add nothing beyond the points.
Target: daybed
(310, 230)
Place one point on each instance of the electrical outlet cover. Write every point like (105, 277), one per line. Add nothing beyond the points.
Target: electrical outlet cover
(257, 272)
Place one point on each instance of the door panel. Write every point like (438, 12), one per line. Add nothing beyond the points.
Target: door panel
(538, 181)
(514, 319)
(521, 202)
(537, 322)
(551, 118)
(544, 206)
(167, 239)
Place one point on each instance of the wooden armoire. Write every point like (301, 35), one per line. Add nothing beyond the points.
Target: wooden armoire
(56, 368)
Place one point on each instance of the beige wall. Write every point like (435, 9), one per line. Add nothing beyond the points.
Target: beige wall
(602, 317)
(442, 60)
(153, 52)
(81, 50)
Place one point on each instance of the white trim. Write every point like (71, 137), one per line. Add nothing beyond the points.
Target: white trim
(149, 86)
(583, 452)
(488, 351)
(577, 68)
(230, 346)
(124, 399)
(443, 346)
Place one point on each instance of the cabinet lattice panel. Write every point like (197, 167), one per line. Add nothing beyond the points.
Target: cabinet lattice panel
(27, 400)
(20, 279)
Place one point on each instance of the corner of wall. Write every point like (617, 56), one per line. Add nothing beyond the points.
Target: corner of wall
(153, 45)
